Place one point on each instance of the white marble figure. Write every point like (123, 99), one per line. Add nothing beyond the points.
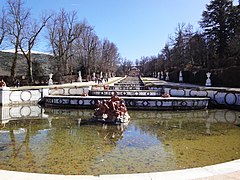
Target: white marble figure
(167, 76)
(180, 77)
(50, 81)
(154, 74)
(79, 76)
(162, 77)
(158, 75)
(94, 76)
(101, 75)
(208, 81)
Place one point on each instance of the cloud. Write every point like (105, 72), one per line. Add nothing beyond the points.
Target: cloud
(75, 4)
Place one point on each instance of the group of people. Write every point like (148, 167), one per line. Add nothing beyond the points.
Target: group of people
(111, 109)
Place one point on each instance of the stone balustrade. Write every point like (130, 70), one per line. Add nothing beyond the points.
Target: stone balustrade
(219, 97)
(21, 96)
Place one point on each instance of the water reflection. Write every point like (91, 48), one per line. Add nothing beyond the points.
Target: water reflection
(205, 116)
(49, 140)
(11, 113)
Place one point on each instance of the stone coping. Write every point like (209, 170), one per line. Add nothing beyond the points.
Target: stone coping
(66, 85)
(228, 170)
(154, 82)
(126, 97)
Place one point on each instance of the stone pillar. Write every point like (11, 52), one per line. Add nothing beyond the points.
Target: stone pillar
(50, 81)
(44, 92)
(158, 75)
(4, 95)
(208, 81)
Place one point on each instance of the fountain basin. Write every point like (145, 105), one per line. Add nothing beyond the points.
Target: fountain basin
(146, 103)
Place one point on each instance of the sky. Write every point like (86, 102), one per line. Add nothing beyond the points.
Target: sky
(137, 27)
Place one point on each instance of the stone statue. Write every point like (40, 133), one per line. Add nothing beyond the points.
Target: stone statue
(79, 76)
(208, 81)
(162, 77)
(180, 77)
(50, 81)
(94, 77)
(167, 76)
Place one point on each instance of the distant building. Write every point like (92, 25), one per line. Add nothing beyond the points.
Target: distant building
(134, 71)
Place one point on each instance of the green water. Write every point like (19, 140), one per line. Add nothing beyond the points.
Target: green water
(152, 142)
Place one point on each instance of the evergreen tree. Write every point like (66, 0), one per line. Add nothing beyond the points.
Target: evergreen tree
(217, 25)
(234, 44)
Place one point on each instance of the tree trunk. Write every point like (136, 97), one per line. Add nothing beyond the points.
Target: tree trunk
(13, 68)
(30, 70)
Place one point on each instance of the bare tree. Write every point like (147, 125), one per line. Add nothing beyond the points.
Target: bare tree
(28, 40)
(110, 56)
(3, 20)
(18, 18)
(62, 32)
(87, 45)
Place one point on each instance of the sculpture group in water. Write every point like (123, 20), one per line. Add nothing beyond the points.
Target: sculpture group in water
(111, 110)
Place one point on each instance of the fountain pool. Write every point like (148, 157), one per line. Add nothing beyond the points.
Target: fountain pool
(153, 141)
